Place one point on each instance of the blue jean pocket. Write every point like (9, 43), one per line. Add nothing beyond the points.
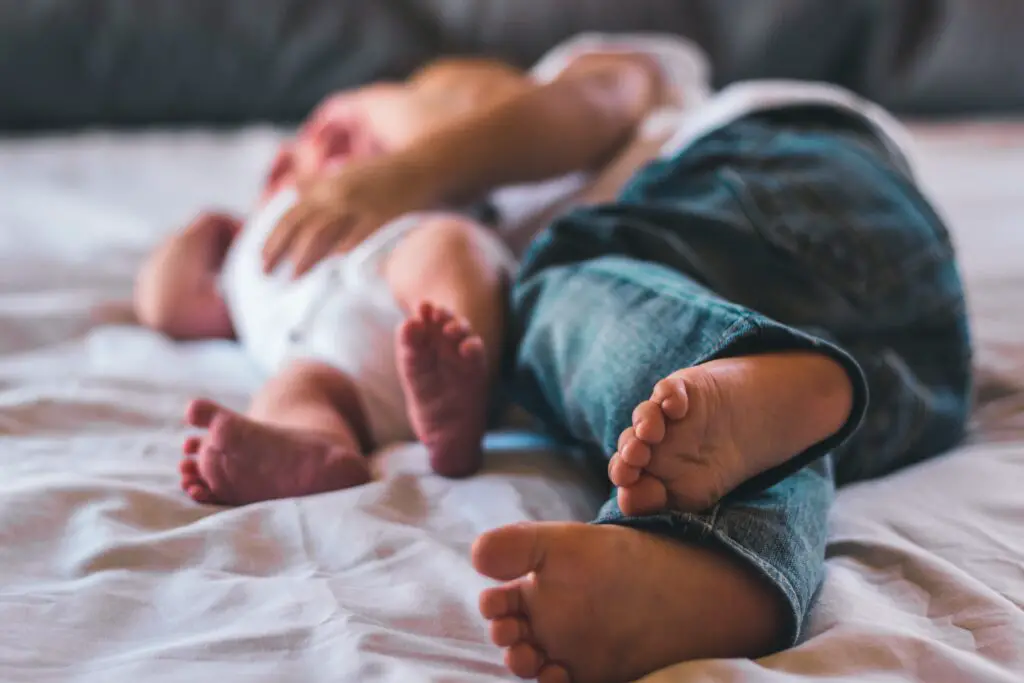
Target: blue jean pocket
(861, 228)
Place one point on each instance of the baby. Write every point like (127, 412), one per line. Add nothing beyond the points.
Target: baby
(399, 335)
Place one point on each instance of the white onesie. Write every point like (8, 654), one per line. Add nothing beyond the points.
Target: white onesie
(342, 312)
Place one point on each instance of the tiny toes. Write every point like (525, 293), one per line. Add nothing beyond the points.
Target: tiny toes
(508, 631)
(675, 407)
(188, 467)
(621, 473)
(471, 346)
(646, 497)
(671, 395)
(191, 445)
(625, 437)
(649, 422)
(441, 317)
(636, 453)
(454, 330)
(426, 312)
(524, 660)
(200, 493)
(553, 673)
(413, 333)
(496, 603)
(662, 390)
(200, 412)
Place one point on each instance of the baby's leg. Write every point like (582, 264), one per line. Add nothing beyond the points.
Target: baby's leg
(449, 348)
(302, 435)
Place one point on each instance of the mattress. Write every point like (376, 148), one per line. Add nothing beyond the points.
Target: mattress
(108, 573)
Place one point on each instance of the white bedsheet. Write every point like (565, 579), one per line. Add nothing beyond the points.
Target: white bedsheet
(109, 574)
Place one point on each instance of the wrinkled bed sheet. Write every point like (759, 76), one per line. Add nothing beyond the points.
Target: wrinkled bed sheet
(109, 574)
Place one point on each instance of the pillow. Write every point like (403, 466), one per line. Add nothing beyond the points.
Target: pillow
(123, 62)
(133, 62)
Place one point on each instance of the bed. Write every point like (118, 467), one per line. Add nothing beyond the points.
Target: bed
(109, 574)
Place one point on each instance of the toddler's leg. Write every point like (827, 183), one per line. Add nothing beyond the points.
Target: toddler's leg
(448, 349)
(302, 435)
(677, 290)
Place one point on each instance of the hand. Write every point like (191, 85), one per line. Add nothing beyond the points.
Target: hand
(339, 209)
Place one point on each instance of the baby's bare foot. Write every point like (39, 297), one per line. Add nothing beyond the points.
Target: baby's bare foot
(444, 373)
(709, 428)
(240, 461)
(609, 604)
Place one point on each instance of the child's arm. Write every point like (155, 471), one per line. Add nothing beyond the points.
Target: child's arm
(176, 292)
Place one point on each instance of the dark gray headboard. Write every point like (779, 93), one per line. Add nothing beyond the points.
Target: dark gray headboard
(125, 62)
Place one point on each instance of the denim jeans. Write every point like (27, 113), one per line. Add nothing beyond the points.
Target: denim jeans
(789, 230)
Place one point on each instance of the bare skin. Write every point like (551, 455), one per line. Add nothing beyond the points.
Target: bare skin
(443, 366)
(303, 434)
(654, 601)
(608, 604)
(241, 461)
(709, 428)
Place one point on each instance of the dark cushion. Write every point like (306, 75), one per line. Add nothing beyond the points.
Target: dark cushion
(124, 62)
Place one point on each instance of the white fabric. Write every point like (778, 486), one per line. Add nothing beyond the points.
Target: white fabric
(342, 312)
(686, 71)
(685, 66)
(108, 574)
(740, 99)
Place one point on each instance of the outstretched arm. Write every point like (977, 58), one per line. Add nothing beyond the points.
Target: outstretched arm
(578, 121)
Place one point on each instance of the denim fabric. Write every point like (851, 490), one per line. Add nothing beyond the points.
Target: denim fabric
(786, 230)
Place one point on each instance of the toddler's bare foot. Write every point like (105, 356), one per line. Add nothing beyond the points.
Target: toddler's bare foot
(444, 373)
(240, 461)
(709, 428)
(609, 604)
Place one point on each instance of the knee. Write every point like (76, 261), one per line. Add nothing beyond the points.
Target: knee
(298, 377)
(443, 249)
(448, 234)
(298, 381)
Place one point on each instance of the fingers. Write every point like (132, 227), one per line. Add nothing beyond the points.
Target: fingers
(281, 166)
(354, 234)
(277, 246)
(311, 231)
(318, 238)
(311, 243)
(307, 236)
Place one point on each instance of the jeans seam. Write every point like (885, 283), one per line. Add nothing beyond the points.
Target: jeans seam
(773, 574)
(743, 317)
(747, 323)
(917, 425)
